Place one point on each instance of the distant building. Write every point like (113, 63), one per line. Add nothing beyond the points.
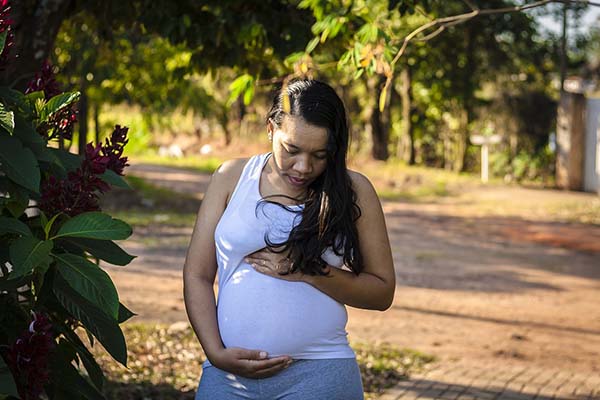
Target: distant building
(578, 136)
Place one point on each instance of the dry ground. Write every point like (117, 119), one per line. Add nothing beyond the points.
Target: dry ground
(471, 284)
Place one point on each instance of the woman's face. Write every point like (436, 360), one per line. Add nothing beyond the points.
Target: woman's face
(299, 151)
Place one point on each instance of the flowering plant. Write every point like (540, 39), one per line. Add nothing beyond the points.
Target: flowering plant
(50, 227)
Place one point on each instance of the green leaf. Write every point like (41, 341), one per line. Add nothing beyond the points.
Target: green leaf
(26, 253)
(312, 44)
(3, 40)
(7, 119)
(248, 94)
(103, 327)
(114, 179)
(48, 224)
(13, 225)
(57, 103)
(95, 225)
(18, 200)
(124, 313)
(13, 98)
(67, 378)
(43, 219)
(89, 362)
(238, 86)
(69, 161)
(19, 163)
(19, 197)
(90, 281)
(25, 131)
(105, 250)
(7, 382)
(34, 100)
(44, 155)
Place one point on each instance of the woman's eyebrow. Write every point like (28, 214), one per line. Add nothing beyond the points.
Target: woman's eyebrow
(294, 147)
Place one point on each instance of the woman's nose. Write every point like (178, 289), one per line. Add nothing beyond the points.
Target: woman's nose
(303, 166)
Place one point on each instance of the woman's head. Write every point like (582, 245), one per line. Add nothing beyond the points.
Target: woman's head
(310, 140)
(317, 104)
(307, 123)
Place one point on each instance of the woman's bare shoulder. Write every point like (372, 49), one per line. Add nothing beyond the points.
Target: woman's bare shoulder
(230, 169)
(359, 180)
(363, 187)
(226, 176)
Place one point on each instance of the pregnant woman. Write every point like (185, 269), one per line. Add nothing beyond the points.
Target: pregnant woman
(293, 237)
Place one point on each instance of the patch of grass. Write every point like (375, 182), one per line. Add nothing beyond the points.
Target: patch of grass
(165, 363)
(395, 180)
(538, 205)
(146, 202)
(145, 218)
(384, 365)
(206, 164)
(427, 255)
(148, 190)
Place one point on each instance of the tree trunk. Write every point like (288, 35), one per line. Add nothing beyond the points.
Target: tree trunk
(35, 25)
(563, 47)
(380, 124)
(407, 134)
(97, 122)
(352, 108)
(82, 116)
(468, 73)
(223, 118)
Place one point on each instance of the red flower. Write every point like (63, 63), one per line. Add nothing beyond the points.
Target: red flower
(27, 358)
(113, 149)
(80, 191)
(44, 80)
(62, 122)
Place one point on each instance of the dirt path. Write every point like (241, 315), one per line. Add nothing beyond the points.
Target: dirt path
(469, 287)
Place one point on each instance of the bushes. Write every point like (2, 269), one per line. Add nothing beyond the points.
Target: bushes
(50, 226)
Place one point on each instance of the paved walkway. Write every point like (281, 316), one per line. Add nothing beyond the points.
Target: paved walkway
(469, 381)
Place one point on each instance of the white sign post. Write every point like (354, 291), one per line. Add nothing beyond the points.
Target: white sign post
(484, 142)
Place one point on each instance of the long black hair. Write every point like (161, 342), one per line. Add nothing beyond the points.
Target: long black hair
(330, 206)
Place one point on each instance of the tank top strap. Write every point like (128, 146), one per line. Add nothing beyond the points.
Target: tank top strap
(249, 178)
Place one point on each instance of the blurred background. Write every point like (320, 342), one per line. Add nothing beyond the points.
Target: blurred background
(477, 121)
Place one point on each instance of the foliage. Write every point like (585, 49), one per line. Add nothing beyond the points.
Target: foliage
(525, 166)
(50, 227)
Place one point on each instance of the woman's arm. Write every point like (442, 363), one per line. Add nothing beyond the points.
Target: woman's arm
(374, 287)
(199, 276)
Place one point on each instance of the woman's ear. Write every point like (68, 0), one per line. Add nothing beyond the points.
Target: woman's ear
(270, 129)
(270, 126)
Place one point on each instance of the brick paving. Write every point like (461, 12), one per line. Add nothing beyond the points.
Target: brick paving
(466, 380)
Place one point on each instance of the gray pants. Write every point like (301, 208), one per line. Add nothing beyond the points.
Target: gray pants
(328, 379)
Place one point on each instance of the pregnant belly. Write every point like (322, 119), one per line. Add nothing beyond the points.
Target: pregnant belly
(259, 312)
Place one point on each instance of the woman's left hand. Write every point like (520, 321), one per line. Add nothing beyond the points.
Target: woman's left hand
(273, 264)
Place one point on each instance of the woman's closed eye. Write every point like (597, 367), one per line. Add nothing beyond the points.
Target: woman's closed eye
(293, 152)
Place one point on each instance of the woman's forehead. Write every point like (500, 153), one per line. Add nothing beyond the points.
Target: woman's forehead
(303, 134)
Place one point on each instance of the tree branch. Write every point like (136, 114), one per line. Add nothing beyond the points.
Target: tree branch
(444, 22)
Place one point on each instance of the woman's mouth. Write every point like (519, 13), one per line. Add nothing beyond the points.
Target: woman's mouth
(297, 181)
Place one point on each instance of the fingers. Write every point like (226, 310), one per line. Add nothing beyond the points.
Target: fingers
(262, 269)
(263, 373)
(249, 354)
(259, 368)
(257, 359)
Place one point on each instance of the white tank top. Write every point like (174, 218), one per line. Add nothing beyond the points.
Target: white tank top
(259, 312)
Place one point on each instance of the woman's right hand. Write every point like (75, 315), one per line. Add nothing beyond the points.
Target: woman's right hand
(249, 363)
